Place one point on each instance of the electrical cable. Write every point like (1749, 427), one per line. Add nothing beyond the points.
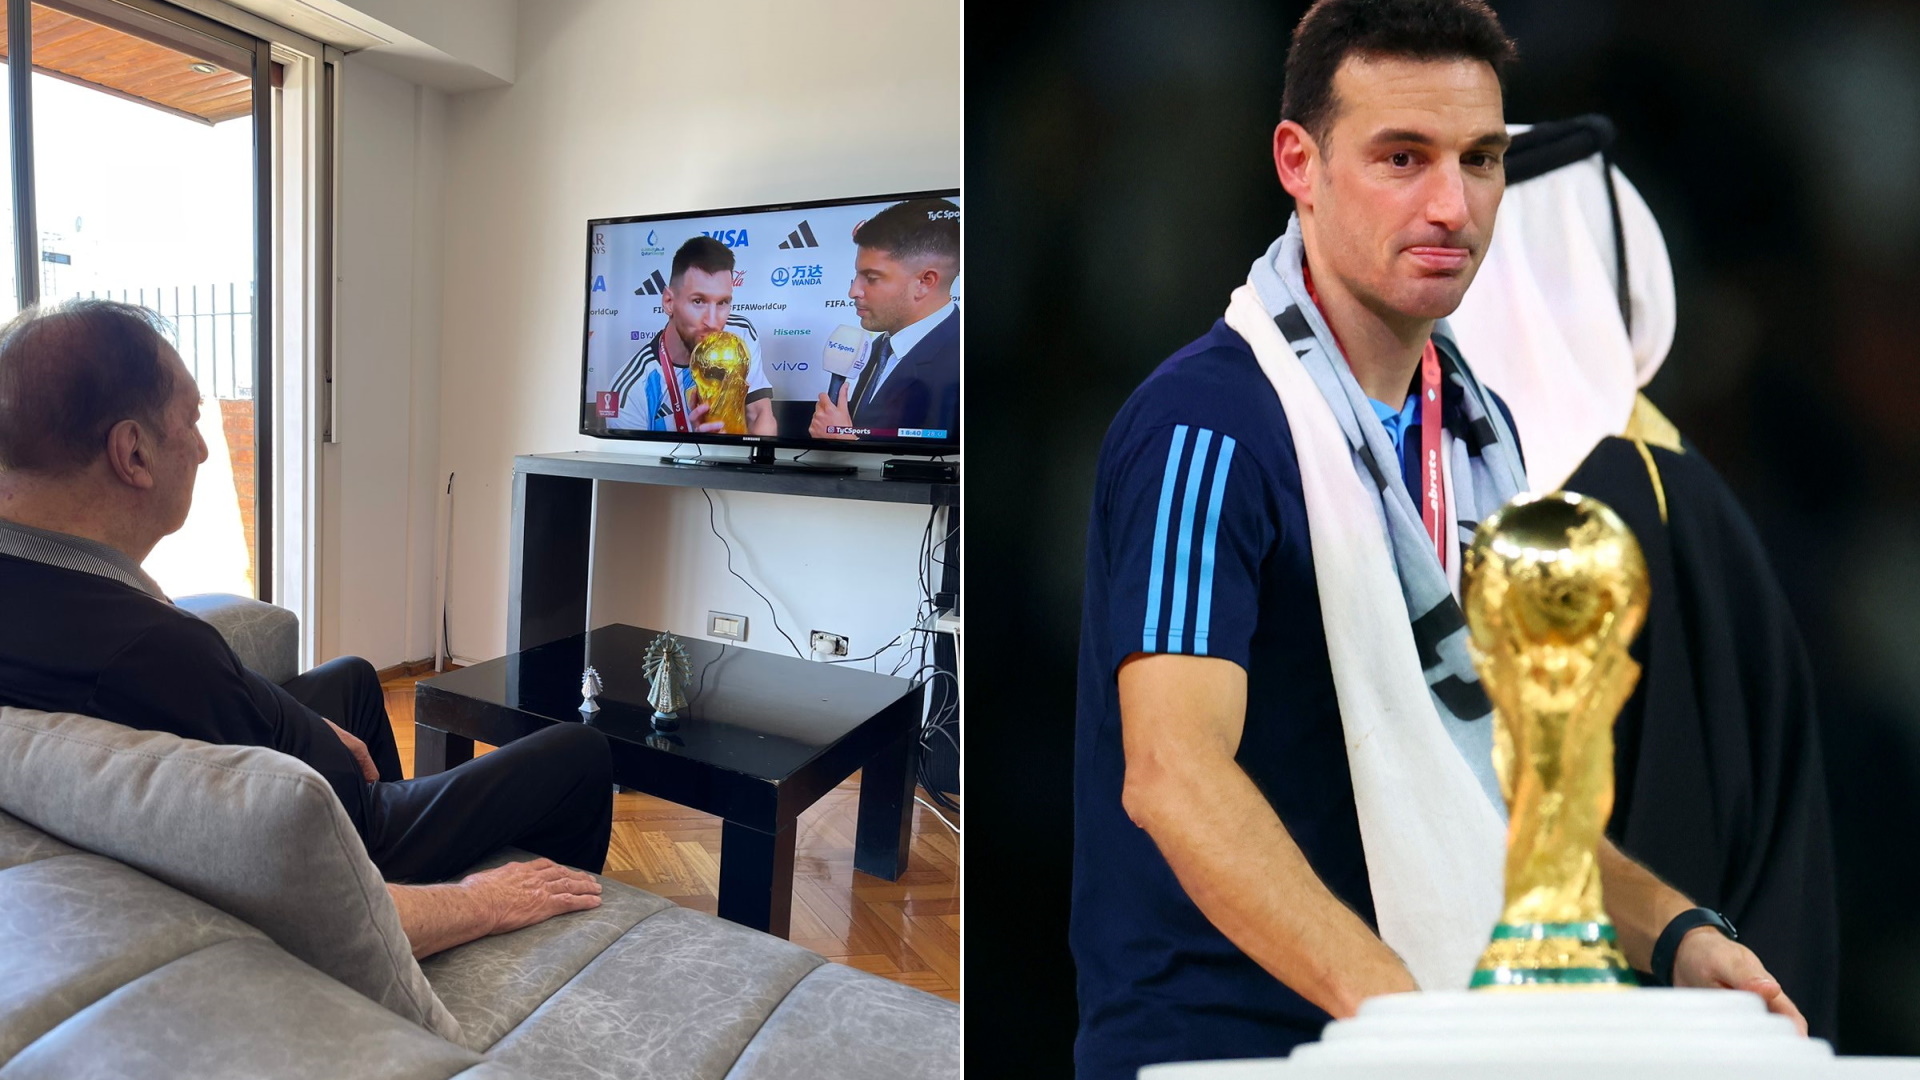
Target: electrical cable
(938, 814)
(713, 525)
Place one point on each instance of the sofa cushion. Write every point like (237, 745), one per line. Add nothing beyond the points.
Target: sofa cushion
(76, 927)
(252, 831)
(491, 985)
(21, 843)
(850, 1025)
(240, 1009)
(679, 996)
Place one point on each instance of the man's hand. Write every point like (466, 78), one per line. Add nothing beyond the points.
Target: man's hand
(1708, 959)
(829, 413)
(508, 897)
(520, 894)
(697, 413)
(359, 751)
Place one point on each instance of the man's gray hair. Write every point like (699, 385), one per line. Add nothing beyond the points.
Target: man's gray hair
(69, 373)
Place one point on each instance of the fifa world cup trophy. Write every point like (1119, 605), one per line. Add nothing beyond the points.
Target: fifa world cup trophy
(1555, 589)
(719, 366)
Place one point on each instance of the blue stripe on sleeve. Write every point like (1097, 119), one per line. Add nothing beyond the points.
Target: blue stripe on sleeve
(1177, 621)
(1204, 615)
(1151, 635)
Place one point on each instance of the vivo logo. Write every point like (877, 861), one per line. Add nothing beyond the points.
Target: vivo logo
(788, 365)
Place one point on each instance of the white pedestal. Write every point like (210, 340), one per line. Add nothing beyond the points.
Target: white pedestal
(1647, 1034)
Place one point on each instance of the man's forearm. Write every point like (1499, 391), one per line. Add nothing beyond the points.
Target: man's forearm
(1241, 868)
(1640, 904)
(437, 917)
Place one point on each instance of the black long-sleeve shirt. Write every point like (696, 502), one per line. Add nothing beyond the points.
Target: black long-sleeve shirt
(73, 641)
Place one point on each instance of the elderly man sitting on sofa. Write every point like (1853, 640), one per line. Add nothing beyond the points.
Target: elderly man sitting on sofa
(98, 451)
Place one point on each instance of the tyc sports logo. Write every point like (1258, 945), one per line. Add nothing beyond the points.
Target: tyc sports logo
(798, 275)
(801, 237)
(653, 286)
(733, 238)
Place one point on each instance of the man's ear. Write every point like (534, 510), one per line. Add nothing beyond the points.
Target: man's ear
(130, 453)
(1297, 158)
(929, 281)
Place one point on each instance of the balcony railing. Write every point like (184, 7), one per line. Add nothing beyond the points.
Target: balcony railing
(208, 325)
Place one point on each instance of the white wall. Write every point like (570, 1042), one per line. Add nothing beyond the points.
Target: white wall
(381, 477)
(628, 108)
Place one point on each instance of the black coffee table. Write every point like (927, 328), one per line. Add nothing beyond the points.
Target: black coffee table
(762, 737)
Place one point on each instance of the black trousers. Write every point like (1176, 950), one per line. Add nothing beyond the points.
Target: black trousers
(550, 793)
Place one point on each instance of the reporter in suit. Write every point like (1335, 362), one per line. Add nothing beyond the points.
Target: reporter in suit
(908, 257)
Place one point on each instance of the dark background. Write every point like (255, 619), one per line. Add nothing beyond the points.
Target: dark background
(1119, 183)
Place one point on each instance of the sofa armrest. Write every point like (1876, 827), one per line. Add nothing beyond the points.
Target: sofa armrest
(266, 637)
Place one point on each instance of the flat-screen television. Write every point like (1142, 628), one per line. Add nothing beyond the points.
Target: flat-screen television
(830, 325)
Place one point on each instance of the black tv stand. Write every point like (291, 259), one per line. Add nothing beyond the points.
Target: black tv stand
(762, 461)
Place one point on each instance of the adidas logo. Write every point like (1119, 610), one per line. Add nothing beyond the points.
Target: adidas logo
(652, 286)
(801, 237)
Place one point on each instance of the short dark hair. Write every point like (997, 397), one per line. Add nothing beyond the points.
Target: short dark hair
(1333, 30)
(69, 373)
(703, 253)
(915, 229)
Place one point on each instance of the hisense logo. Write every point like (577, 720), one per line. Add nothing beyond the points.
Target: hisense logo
(801, 237)
(653, 286)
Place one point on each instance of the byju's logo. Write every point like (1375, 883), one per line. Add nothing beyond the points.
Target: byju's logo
(652, 286)
(653, 245)
(798, 275)
(633, 335)
(733, 238)
(801, 237)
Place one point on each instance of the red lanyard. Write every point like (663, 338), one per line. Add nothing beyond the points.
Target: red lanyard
(672, 380)
(1433, 499)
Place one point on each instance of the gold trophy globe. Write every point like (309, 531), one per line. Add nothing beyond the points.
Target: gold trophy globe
(719, 365)
(1554, 589)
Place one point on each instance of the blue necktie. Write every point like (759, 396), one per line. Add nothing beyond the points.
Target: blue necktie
(882, 353)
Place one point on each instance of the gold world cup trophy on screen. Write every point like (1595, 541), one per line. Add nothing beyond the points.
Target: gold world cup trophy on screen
(719, 366)
(1555, 589)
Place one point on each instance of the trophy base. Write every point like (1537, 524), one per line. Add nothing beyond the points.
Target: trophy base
(666, 721)
(1547, 956)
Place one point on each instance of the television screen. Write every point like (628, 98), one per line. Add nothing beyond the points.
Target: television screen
(823, 325)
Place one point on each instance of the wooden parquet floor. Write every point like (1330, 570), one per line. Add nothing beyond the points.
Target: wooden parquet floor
(906, 930)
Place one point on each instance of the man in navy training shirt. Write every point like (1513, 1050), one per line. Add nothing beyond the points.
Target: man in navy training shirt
(98, 452)
(1221, 905)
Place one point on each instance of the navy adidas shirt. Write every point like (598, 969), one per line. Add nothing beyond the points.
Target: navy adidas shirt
(1198, 545)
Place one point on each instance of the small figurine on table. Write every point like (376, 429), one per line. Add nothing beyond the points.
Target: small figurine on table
(589, 689)
(667, 669)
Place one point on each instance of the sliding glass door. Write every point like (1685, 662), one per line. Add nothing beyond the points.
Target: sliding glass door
(145, 180)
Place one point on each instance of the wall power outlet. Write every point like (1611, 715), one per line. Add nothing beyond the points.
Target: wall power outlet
(722, 625)
(826, 644)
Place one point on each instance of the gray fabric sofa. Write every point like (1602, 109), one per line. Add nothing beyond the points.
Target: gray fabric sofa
(174, 908)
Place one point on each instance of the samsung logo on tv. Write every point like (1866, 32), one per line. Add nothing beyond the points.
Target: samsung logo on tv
(733, 238)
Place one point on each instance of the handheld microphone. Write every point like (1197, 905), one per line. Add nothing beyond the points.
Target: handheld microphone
(843, 357)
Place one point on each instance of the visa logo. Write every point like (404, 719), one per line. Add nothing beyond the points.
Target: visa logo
(731, 237)
(788, 365)
(600, 283)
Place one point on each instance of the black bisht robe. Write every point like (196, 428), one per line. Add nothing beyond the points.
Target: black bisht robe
(1719, 784)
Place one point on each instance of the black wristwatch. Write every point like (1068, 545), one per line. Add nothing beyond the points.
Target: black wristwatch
(1665, 949)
